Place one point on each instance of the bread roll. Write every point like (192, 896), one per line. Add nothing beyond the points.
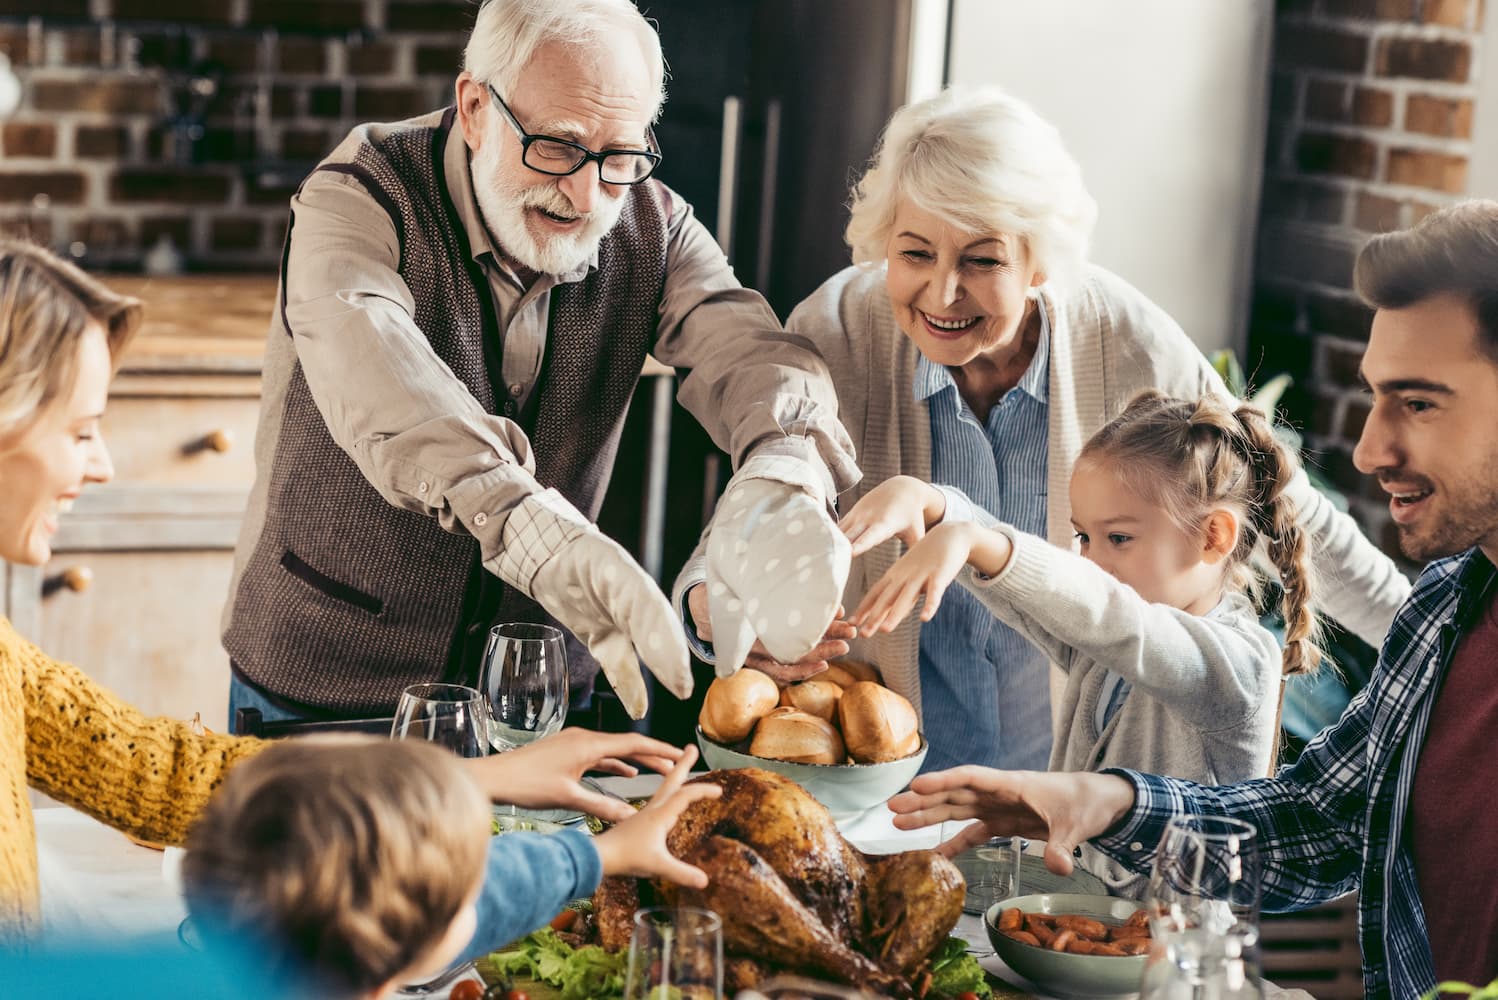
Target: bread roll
(816, 696)
(838, 675)
(860, 670)
(793, 735)
(734, 704)
(878, 725)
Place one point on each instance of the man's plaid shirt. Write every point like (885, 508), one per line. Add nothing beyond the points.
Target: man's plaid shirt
(1334, 820)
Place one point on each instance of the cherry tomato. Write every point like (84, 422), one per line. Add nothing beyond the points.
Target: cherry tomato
(563, 921)
(517, 995)
(467, 989)
(969, 995)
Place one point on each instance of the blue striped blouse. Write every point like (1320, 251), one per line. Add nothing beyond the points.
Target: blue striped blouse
(985, 693)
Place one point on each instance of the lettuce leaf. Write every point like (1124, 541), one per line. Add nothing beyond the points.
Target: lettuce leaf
(955, 972)
(580, 973)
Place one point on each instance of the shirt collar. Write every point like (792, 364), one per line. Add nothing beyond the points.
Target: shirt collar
(931, 378)
(456, 168)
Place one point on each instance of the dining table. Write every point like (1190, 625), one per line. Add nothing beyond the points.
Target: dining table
(97, 883)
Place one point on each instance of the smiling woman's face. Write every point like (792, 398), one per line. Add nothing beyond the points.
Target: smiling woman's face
(957, 294)
(44, 466)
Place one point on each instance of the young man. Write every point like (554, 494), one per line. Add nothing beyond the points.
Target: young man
(1395, 800)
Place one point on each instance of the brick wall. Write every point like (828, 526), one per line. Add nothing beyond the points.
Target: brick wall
(91, 160)
(1370, 129)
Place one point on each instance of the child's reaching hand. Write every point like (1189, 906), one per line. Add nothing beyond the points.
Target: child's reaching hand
(902, 507)
(927, 570)
(637, 845)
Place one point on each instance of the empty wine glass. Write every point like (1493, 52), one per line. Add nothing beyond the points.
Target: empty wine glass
(1203, 901)
(448, 714)
(525, 677)
(675, 954)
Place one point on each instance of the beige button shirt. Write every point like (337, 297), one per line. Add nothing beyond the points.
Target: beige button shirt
(426, 443)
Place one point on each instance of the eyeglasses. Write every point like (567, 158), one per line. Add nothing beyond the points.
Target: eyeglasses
(549, 155)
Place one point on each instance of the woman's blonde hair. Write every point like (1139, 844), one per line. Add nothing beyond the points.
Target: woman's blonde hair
(46, 304)
(1197, 456)
(987, 163)
(346, 858)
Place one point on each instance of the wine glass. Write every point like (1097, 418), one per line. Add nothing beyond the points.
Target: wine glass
(675, 953)
(525, 677)
(451, 715)
(1203, 902)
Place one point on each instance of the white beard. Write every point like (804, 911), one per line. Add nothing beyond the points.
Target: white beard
(504, 207)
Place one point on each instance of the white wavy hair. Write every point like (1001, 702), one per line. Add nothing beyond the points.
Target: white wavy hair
(506, 33)
(985, 162)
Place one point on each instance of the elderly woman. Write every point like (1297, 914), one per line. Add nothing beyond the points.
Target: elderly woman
(974, 347)
(60, 334)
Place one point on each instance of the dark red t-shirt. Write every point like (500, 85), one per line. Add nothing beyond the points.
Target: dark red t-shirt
(1453, 817)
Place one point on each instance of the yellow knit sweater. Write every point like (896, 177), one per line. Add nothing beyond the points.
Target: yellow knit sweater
(70, 738)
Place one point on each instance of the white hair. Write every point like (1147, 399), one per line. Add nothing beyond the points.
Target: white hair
(507, 33)
(985, 162)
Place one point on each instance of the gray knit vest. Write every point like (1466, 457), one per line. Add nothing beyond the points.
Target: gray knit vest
(347, 599)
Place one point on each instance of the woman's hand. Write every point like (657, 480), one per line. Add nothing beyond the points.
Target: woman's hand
(834, 643)
(545, 774)
(902, 507)
(1064, 809)
(925, 571)
(637, 846)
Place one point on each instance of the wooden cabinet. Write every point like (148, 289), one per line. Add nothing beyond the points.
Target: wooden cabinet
(136, 585)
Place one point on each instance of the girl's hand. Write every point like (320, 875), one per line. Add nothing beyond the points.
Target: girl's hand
(925, 571)
(637, 846)
(902, 507)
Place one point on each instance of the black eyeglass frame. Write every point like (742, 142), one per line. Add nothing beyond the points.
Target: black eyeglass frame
(653, 156)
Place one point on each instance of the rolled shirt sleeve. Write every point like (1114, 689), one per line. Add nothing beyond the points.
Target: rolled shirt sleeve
(413, 428)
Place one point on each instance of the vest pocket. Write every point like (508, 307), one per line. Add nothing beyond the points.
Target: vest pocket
(328, 586)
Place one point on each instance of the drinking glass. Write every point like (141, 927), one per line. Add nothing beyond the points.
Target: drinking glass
(675, 954)
(448, 714)
(1203, 901)
(525, 677)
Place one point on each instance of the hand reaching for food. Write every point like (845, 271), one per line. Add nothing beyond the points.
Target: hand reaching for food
(637, 845)
(901, 507)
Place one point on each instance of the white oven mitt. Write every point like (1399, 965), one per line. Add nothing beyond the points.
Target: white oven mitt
(590, 584)
(776, 566)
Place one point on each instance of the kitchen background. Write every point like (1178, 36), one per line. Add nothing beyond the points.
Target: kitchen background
(1240, 151)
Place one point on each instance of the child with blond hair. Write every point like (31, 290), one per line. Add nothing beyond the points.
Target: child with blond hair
(1168, 669)
(358, 864)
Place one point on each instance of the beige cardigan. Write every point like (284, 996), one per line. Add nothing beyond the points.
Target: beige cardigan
(1108, 342)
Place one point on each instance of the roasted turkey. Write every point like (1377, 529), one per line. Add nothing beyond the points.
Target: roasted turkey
(792, 894)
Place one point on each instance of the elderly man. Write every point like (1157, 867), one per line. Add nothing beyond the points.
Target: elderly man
(1395, 800)
(466, 302)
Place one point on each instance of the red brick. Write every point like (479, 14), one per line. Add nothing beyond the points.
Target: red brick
(62, 187)
(1422, 168)
(1322, 48)
(1340, 363)
(1323, 421)
(116, 95)
(308, 15)
(303, 55)
(1420, 209)
(430, 15)
(325, 102)
(173, 11)
(306, 143)
(1378, 10)
(102, 234)
(181, 186)
(29, 139)
(177, 227)
(15, 42)
(443, 60)
(1335, 154)
(1354, 416)
(371, 59)
(235, 233)
(274, 194)
(1371, 106)
(237, 53)
(82, 47)
(1323, 203)
(1377, 214)
(170, 50)
(1425, 59)
(1326, 100)
(1338, 316)
(100, 141)
(1438, 116)
(1451, 13)
(389, 103)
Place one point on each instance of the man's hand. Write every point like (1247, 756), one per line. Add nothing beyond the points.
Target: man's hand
(901, 507)
(776, 566)
(637, 846)
(545, 774)
(834, 643)
(597, 590)
(1062, 808)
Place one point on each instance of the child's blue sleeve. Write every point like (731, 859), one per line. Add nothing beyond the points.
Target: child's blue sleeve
(528, 879)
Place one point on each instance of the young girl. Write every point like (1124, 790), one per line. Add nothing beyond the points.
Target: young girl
(1168, 669)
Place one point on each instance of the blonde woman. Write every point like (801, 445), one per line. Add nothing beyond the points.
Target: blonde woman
(974, 347)
(61, 333)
